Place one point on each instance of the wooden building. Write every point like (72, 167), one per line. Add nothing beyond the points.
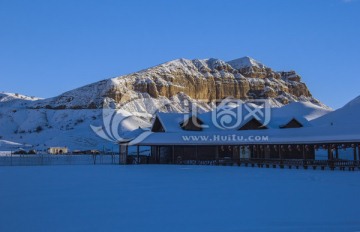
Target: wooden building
(194, 139)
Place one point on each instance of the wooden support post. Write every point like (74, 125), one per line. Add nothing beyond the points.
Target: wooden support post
(154, 154)
(280, 151)
(119, 153)
(304, 152)
(158, 154)
(330, 155)
(173, 154)
(236, 154)
(260, 156)
(138, 154)
(355, 153)
(127, 153)
(123, 153)
(337, 151)
(196, 154)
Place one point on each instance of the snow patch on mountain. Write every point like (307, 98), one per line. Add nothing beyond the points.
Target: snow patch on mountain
(6, 97)
(245, 62)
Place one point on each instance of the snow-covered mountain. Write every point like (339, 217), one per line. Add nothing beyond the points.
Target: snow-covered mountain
(170, 87)
(188, 80)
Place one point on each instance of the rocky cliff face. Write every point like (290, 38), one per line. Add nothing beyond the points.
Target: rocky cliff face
(194, 80)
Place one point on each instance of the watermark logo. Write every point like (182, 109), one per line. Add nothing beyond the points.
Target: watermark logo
(228, 114)
(113, 120)
(230, 138)
(232, 113)
(110, 128)
(260, 109)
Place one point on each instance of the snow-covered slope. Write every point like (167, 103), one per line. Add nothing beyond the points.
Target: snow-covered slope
(347, 115)
(43, 128)
(306, 110)
(15, 100)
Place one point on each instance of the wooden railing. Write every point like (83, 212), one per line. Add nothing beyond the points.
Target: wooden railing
(305, 164)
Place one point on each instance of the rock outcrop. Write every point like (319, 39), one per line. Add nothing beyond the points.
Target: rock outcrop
(200, 80)
(213, 79)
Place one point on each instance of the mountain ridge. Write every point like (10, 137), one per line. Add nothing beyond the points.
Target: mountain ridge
(198, 79)
(173, 86)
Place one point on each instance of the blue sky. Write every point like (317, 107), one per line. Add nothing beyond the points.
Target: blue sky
(48, 47)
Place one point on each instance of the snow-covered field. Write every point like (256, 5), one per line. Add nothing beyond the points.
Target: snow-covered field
(177, 198)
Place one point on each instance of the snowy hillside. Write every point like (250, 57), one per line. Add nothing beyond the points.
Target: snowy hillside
(42, 128)
(304, 109)
(347, 115)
